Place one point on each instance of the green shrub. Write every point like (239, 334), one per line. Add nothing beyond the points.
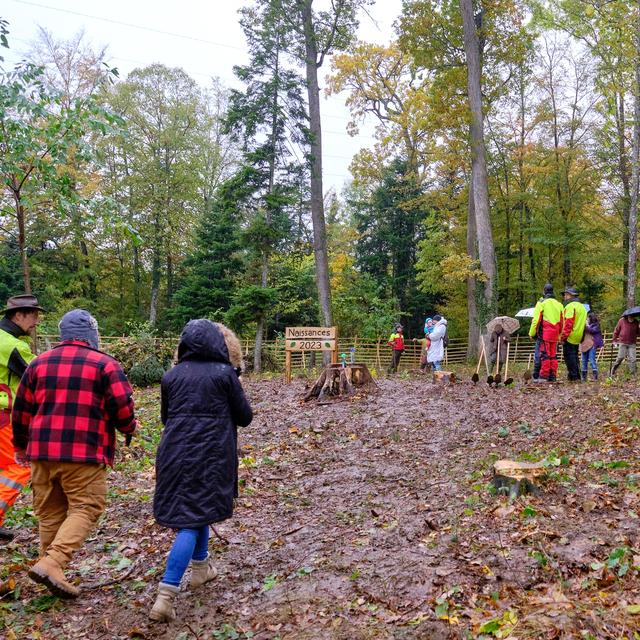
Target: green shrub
(136, 350)
(146, 373)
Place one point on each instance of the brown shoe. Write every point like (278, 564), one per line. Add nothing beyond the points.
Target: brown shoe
(49, 573)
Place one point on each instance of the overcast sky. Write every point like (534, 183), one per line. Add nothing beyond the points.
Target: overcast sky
(201, 36)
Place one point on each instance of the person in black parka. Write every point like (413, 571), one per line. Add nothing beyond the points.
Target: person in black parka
(202, 403)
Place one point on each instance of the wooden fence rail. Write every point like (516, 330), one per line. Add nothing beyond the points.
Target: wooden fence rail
(375, 354)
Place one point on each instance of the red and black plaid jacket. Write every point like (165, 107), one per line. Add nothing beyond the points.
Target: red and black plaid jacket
(69, 403)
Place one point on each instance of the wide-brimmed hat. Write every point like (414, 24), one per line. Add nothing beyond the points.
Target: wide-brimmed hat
(22, 302)
(570, 290)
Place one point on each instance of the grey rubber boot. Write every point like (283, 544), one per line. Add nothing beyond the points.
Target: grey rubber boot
(163, 606)
(202, 571)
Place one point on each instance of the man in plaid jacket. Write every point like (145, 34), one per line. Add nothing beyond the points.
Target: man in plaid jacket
(69, 403)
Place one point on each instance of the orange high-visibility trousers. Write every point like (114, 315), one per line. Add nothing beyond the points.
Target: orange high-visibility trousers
(13, 477)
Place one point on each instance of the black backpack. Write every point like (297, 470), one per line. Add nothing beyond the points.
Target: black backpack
(445, 339)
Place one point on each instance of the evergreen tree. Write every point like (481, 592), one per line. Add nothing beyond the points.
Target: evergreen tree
(207, 288)
(390, 223)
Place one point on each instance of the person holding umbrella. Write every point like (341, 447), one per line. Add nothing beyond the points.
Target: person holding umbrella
(625, 336)
(575, 319)
(500, 330)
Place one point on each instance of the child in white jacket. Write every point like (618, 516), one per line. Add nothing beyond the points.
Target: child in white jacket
(435, 354)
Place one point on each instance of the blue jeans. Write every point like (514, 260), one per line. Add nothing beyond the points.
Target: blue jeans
(190, 544)
(437, 366)
(589, 357)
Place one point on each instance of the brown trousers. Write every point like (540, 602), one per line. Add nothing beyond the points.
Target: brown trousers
(68, 499)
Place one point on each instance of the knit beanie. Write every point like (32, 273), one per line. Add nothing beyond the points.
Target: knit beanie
(79, 324)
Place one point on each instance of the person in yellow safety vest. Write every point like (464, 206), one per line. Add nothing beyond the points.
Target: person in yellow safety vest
(546, 327)
(21, 315)
(575, 319)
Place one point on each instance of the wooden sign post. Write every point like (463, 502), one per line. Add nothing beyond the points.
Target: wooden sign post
(308, 339)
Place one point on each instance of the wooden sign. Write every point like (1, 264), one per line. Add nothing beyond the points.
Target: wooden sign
(309, 339)
(310, 333)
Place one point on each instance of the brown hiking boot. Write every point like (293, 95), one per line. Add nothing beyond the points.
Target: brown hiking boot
(49, 573)
(6, 534)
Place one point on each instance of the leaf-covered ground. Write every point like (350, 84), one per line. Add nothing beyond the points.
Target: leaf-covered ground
(375, 518)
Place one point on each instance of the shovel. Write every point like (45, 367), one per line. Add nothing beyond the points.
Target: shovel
(611, 370)
(491, 379)
(527, 374)
(508, 380)
(475, 377)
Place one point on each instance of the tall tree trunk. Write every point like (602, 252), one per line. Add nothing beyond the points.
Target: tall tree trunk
(623, 170)
(169, 296)
(155, 272)
(530, 254)
(136, 280)
(507, 241)
(262, 320)
(317, 202)
(635, 175)
(257, 351)
(522, 185)
(480, 187)
(22, 241)
(472, 306)
(136, 251)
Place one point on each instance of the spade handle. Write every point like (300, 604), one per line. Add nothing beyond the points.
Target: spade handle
(482, 355)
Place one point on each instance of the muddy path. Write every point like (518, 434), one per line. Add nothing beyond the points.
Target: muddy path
(375, 517)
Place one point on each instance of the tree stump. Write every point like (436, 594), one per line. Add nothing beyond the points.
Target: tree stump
(444, 377)
(517, 478)
(338, 380)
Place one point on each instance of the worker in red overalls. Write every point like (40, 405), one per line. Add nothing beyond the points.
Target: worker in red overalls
(546, 326)
(396, 342)
(21, 315)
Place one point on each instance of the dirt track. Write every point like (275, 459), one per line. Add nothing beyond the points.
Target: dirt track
(373, 518)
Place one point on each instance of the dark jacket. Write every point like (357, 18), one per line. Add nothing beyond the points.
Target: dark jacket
(626, 332)
(493, 345)
(202, 404)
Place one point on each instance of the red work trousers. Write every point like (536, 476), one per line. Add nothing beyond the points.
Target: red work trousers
(12, 476)
(549, 359)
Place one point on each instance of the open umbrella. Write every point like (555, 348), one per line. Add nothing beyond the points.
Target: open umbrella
(526, 313)
(633, 311)
(509, 325)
